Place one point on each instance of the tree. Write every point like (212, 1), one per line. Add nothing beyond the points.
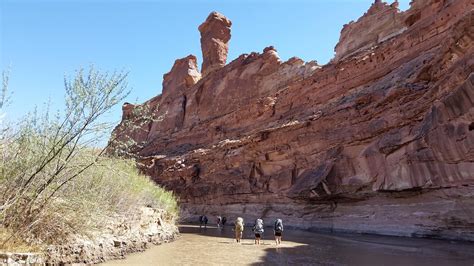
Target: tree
(43, 153)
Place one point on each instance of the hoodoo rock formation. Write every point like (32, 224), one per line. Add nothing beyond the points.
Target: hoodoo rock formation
(215, 36)
(379, 140)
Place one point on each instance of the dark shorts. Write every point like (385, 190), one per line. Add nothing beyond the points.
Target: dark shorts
(257, 235)
(277, 233)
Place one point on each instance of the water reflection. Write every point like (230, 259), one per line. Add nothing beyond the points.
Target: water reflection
(213, 246)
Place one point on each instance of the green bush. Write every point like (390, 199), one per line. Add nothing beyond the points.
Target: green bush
(54, 184)
(112, 187)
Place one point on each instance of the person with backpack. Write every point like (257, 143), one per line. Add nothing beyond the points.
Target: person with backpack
(258, 230)
(203, 221)
(239, 228)
(278, 230)
(219, 221)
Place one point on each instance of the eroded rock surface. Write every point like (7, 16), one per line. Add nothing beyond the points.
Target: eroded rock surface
(215, 36)
(125, 235)
(379, 140)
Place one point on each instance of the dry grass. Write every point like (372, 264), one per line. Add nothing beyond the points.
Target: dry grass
(15, 243)
(113, 187)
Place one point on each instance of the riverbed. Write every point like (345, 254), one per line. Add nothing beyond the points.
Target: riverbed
(214, 246)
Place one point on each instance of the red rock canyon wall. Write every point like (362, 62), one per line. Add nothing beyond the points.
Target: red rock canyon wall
(379, 140)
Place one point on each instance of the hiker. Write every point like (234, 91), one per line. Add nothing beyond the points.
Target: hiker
(202, 221)
(278, 230)
(258, 230)
(219, 221)
(239, 228)
(224, 220)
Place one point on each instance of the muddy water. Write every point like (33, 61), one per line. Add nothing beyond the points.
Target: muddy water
(214, 246)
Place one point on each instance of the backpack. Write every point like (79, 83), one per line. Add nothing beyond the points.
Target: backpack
(258, 228)
(239, 224)
(278, 226)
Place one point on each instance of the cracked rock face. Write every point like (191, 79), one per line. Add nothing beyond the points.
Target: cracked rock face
(379, 140)
(380, 22)
(183, 75)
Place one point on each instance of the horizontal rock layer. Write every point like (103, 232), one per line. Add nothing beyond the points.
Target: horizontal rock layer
(392, 113)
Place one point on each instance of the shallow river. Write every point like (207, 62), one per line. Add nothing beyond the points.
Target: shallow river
(214, 246)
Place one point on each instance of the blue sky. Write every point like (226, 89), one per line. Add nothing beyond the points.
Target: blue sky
(41, 41)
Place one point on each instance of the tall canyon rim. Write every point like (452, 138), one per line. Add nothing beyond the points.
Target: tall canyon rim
(379, 140)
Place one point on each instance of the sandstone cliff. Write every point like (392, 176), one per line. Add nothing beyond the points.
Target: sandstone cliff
(379, 140)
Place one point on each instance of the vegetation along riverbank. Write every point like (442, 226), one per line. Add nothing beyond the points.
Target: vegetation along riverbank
(62, 199)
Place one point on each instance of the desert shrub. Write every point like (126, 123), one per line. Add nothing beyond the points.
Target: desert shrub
(54, 183)
(112, 187)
